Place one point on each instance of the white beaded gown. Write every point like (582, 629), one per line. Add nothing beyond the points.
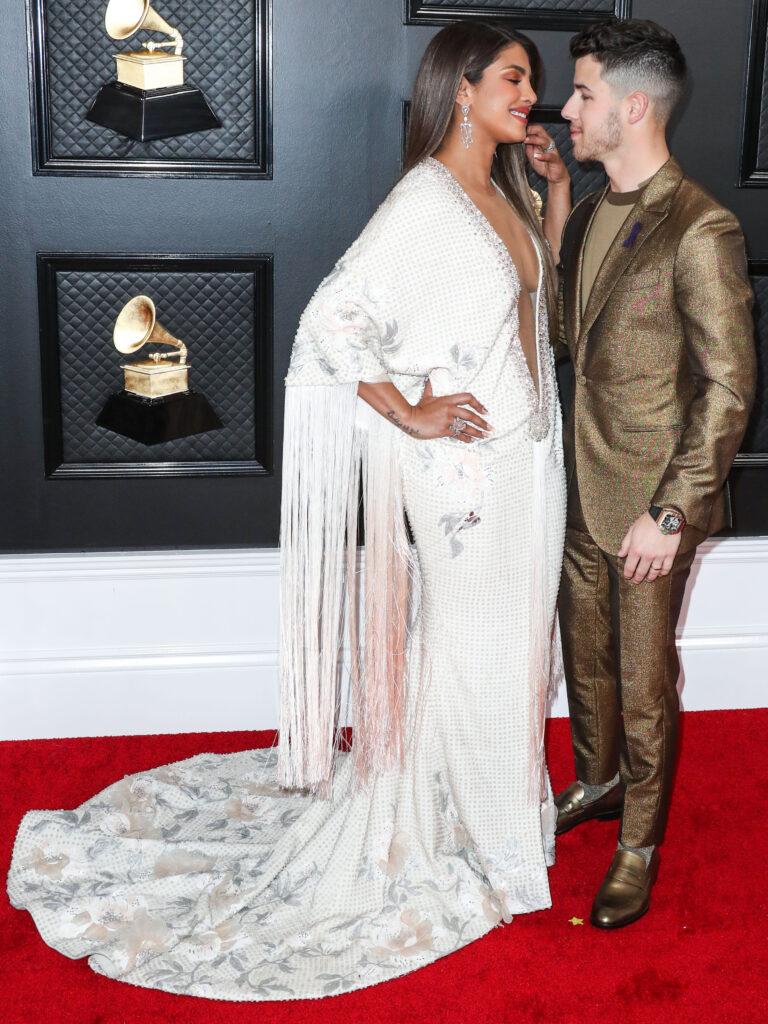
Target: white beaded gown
(207, 877)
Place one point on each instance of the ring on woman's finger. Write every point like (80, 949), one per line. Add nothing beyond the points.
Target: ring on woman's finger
(457, 425)
(550, 148)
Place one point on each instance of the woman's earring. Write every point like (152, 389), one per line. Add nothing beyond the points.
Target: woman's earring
(465, 128)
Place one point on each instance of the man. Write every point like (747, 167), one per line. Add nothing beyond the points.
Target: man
(657, 317)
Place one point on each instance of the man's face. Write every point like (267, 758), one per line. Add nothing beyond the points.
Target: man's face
(594, 113)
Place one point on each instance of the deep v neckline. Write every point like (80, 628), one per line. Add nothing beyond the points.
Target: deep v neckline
(498, 240)
(538, 397)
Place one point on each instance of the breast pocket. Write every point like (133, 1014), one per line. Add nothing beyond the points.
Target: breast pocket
(643, 279)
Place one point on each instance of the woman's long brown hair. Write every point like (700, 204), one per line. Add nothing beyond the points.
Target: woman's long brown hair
(465, 50)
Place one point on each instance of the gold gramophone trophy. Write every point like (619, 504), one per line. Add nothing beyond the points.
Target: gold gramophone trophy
(149, 99)
(156, 403)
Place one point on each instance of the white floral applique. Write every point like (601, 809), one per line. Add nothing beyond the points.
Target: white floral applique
(463, 360)
(341, 330)
(414, 936)
(50, 864)
(224, 938)
(182, 862)
(504, 861)
(495, 906)
(465, 477)
(127, 929)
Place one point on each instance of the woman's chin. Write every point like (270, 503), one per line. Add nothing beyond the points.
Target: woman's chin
(513, 137)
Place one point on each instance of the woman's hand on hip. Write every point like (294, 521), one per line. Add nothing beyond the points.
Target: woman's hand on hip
(458, 416)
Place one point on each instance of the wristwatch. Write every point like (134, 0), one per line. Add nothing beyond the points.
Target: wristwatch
(670, 521)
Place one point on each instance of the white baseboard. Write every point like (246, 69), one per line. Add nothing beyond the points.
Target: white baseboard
(186, 641)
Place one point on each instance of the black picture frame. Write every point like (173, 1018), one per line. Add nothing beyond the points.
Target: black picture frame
(437, 13)
(758, 268)
(752, 174)
(46, 162)
(260, 265)
(748, 479)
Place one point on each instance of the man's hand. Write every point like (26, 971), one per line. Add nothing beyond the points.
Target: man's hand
(648, 553)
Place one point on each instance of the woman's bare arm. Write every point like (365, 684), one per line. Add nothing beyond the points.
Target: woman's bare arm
(550, 165)
(431, 417)
(556, 213)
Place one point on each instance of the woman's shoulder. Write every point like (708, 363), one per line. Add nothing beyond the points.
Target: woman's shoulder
(424, 187)
(418, 207)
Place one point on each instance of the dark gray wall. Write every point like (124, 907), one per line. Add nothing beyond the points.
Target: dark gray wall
(341, 69)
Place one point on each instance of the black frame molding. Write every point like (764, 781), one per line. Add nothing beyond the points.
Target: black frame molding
(435, 13)
(50, 263)
(750, 175)
(547, 115)
(748, 479)
(44, 162)
(755, 268)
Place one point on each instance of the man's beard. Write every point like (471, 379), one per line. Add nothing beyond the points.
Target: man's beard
(604, 140)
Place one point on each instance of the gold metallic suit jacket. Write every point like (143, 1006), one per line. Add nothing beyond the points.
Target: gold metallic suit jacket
(664, 360)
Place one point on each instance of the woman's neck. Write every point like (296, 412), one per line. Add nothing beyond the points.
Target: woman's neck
(471, 166)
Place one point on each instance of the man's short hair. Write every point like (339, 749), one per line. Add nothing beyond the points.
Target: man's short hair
(638, 56)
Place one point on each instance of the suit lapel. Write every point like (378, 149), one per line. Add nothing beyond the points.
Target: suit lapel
(651, 211)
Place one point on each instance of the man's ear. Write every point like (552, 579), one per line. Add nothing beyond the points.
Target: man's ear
(637, 106)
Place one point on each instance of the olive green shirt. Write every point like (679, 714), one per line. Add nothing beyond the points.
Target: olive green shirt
(613, 211)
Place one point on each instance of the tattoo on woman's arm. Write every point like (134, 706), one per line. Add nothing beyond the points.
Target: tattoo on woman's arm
(411, 431)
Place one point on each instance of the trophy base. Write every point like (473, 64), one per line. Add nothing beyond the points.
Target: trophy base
(145, 115)
(154, 420)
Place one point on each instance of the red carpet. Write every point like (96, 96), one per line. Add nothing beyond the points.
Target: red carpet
(699, 956)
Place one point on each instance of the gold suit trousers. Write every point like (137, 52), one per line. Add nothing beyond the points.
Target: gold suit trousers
(621, 669)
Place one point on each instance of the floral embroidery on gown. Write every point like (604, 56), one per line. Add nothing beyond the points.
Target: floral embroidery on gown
(208, 877)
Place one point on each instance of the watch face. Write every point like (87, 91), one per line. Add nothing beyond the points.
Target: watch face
(670, 523)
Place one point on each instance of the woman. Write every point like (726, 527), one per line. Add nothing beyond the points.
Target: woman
(423, 360)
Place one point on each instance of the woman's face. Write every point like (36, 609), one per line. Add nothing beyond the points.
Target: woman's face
(500, 103)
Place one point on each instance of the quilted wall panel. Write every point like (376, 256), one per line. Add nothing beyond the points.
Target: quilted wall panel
(215, 313)
(756, 441)
(224, 59)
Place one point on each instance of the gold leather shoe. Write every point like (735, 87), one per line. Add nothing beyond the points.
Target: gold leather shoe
(625, 893)
(572, 809)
